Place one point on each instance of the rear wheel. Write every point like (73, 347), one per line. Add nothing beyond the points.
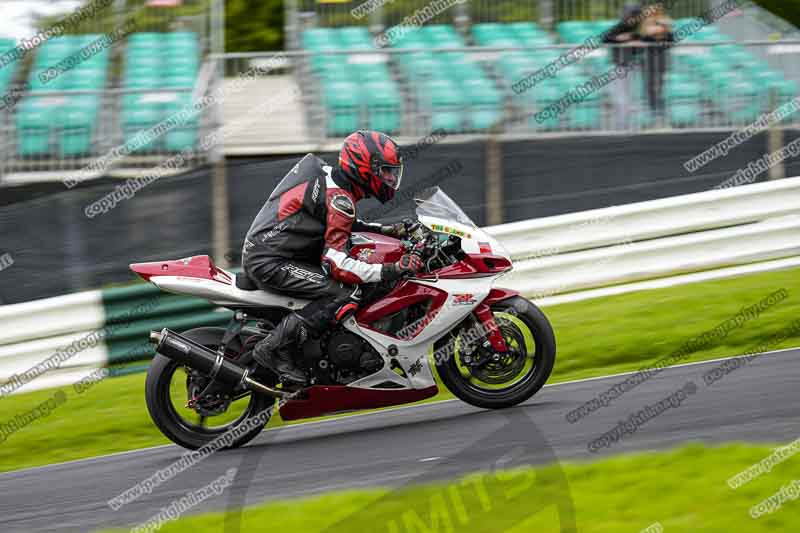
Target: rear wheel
(502, 380)
(172, 394)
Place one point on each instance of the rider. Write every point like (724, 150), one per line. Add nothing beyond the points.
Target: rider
(298, 242)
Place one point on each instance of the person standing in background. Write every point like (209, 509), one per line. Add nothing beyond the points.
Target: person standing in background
(655, 30)
(626, 41)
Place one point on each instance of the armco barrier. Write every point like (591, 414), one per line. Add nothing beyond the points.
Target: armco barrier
(658, 258)
(653, 219)
(121, 318)
(705, 233)
(128, 340)
(50, 317)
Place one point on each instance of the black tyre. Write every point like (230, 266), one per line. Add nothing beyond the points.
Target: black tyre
(513, 378)
(168, 383)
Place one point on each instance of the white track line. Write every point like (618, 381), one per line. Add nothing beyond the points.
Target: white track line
(381, 412)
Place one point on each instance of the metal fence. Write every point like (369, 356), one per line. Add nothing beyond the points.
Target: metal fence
(410, 92)
(382, 14)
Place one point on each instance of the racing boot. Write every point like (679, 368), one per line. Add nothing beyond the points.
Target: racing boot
(274, 351)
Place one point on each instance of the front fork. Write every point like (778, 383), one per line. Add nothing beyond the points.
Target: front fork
(485, 317)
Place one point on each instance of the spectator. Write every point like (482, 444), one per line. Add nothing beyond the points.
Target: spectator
(625, 39)
(656, 28)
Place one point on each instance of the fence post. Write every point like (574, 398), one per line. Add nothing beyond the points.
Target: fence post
(376, 23)
(220, 213)
(494, 181)
(546, 14)
(290, 29)
(220, 209)
(775, 141)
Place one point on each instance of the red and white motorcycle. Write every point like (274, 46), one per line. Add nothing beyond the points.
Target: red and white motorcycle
(489, 346)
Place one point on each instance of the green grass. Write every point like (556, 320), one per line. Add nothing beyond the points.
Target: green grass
(684, 490)
(595, 337)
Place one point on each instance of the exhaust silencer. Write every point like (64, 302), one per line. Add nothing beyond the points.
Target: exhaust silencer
(186, 351)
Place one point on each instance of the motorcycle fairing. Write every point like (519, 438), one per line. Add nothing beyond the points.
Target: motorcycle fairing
(199, 276)
(413, 357)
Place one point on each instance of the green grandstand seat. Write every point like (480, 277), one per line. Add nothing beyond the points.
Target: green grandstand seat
(160, 61)
(181, 37)
(765, 79)
(182, 61)
(544, 94)
(85, 79)
(440, 29)
(445, 103)
(148, 39)
(786, 89)
(150, 62)
(719, 80)
(318, 35)
(516, 64)
(743, 104)
(543, 57)
(343, 104)
(465, 70)
(371, 71)
(573, 31)
(180, 48)
(489, 33)
(598, 62)
(138, 113)
(586, 114)
(413, 38)
(71, 120)
(34, 120)
(7, 72)
(77, 120)
(180, 81)
(181, 69)
(354, 34)
(684, 100)
(329, 62)
(425, 68)
(383, 103)
(601, 26)
(441, 36)
(485, 104)
(527, 27)
(86, 39)
(184, 136)
(151, 81)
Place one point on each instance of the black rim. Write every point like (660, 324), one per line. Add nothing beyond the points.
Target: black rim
(200, 423)
(512, 371)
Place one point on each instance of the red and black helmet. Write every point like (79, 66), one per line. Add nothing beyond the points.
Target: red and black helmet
(371, 160)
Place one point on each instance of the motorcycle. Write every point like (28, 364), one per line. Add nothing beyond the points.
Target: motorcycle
(488, 346)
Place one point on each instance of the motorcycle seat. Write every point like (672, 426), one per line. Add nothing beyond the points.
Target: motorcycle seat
(244, 282)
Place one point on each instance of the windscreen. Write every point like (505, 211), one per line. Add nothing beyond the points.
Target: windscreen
(433, 202)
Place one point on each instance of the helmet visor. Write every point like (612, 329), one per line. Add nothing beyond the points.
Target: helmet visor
(392, 175)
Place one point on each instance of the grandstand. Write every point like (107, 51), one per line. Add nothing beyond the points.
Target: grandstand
(438, 77)
(80, 95)
(453, 73)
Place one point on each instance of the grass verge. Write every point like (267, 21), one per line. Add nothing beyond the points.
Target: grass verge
(682, 490)
(595, 338)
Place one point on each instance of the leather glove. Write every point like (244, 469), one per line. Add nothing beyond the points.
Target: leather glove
(397, 230)
(408, 264)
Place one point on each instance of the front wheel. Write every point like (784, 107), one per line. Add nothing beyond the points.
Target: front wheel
(496, 381)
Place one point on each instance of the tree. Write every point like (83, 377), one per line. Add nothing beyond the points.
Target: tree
(253, 25)
(788, 10)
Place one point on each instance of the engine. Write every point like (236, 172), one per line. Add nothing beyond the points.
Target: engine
(344, 357)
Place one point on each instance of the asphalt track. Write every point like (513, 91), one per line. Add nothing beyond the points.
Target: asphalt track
(757, 403)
